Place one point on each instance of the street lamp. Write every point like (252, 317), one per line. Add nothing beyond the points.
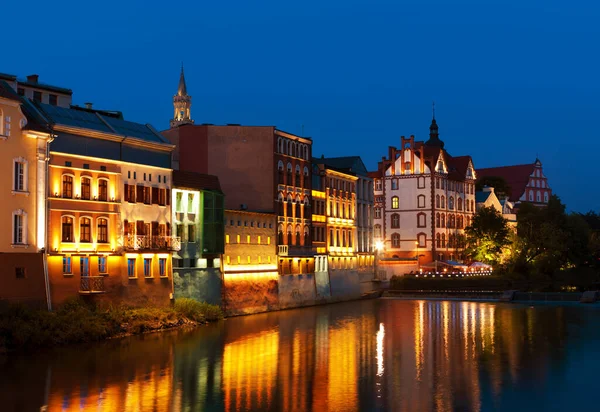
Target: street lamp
(417, 245)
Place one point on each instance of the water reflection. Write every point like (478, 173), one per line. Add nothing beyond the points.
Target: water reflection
(370, 355)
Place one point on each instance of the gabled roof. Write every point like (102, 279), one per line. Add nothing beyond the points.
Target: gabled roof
(517, 177)
(481, 196)
(8, 92)
(352, 164)
(198, 181)
(101, 121)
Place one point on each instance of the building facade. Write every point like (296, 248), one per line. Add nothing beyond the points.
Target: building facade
(424, 198)
(22, 241)
(109, 214)
(198, 216)
(487, 198)
(527, 182)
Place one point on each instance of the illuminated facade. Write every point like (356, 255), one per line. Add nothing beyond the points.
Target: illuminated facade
(198, 221)
(424, 198)
(22, 238)
(487, 198)
(109, 213)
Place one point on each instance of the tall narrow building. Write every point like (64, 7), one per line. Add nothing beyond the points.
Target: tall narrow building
(182, 102)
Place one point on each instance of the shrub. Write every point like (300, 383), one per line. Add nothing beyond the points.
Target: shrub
(197, 311)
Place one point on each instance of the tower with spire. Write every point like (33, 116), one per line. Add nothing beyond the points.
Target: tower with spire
(182, 102)
(434, 135)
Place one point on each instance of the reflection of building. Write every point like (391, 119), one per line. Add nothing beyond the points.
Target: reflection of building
(198, 221)
(527, 182)
(109, 231)
(23, 235)
(424, 198)
(487, 198)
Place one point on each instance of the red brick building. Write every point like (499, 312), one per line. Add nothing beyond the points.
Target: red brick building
(527, 182)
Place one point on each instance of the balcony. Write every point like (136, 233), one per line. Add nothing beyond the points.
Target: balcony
(296, 251)
(91, 284)
(143, 242)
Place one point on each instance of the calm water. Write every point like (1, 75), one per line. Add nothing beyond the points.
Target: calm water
(368, 355)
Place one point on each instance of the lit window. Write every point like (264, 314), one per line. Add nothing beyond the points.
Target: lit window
(102, 230)
(131, 267)
(258, 240)
(84, 266)
(147, 267)
(162, 267)
(102, 264)
(19, 183)
(67, 265)
(227, 239)
(85, 188)
(67, 186)
(85, 226)
(67, 229)
(395, 202)
(102, 190)
(395, 240)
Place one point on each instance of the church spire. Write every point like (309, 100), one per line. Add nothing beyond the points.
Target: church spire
(182, 102)
(434, 136)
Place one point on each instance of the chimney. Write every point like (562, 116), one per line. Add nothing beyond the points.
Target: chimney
(32, 78)
(88, 105)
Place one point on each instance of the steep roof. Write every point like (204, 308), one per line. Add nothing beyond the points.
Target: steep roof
(182, 89)
(198, 181)
(352, 164)
(101, 121)
(516, 177)
(481, 196)
(8, 92)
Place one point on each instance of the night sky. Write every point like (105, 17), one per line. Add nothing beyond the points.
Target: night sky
(511, 79)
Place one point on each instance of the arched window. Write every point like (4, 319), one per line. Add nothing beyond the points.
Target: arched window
(421, 220)
(280, 170)
(538, 197)
(545, 197)
(437, 220)
(86, 183)
(394, 184)
(437, 182)
(289, 174)
(437, 201)
(395, 240)
(443, 202)
(289, 205)
(460, 203)
(421, 201)
(102, 233)
(67, 186)
(443, 240)
(543, 184)
(297, 175)
(280, 234)
(281, 203)
(377, 231)
(451, 203)
(395, 220)
(298, 240)
(298, 203)
(437, 240)
(85, 229)
(67, 229)
(306, 236)
(422, 239)
(443, 220)
(395, 202)
(305, 173)
(289, 234)
(103, 189)
(337, 237)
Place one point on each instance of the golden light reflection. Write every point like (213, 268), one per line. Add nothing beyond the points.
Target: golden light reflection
(250, 364)
(342, 367)
(380, 336)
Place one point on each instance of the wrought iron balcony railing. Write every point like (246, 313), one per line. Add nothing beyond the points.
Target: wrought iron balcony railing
(92, 284)
(143, 242)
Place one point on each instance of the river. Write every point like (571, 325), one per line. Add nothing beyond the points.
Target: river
(385, 354)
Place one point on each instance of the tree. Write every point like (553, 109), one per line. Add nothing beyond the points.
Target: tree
(487, 236)
(501, 188)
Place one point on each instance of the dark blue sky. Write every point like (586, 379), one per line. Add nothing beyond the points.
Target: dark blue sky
(511, 79)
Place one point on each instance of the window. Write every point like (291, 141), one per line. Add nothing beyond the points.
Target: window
(147, 267)
(451, 203)
(377, 213)
(131, 267)
(437, 200)
(437, 220)
(147, 195)
(421, 220)
(21, 91)
(421, 182)
(531, 196)
(460, 204)
(395, 240)
(130, 193)
(19, 183)
(86, 165)
(377, 231)
(538, 196)
(191, 232)
(422, 239)
(394, 184)
(85, 188)
(162, 197)
(84, 265)
(19, 233)
(67, 265)
(103, 190)
(37, 96)
(421, 201)
(395, 202)
(102, 230)
(67, 186)
(162, 267)
(227, 239)
(102, 266)
(545, 197)
(20, 273)
(85, 225)
(378, 185)
(67, 229)
(395, 220)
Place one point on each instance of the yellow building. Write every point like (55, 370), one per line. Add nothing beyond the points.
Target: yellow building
(22, 209)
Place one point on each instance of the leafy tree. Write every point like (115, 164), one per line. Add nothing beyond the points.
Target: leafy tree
(501, 188)
(487, 235)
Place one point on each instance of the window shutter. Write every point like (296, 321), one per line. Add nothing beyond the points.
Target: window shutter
(168, 229)
(126, 194)
(154, 228)
(168, 196)
(155, 195)
(140, 193)
(140, 228)
(126, 224)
